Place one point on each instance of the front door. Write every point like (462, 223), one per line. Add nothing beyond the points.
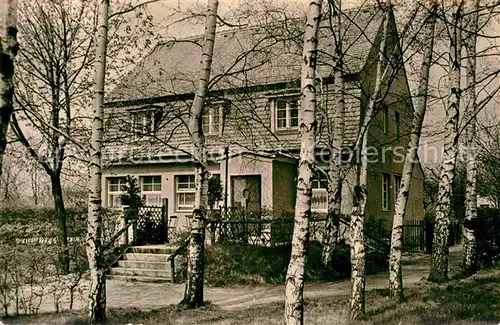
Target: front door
(246, 192)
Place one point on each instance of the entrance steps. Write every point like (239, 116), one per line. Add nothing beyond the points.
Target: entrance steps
(144, 264)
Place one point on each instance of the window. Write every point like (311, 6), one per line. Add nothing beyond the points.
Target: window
(151, 190)
(397, 186)
(145, 122)
(184, 191)
(215, 192)
(398, 124)
(386, 119)
(319, 199)
(286, 113)
(116, 186)
(386, 180)
(212, 120)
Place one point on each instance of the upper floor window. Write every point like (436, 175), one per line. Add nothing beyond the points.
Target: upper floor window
(386, 184)
(185, 189)
(385, 110)
(151, 190)
(146, 122)
(116, 187)
(212, 120)
(397, 117)
(286, 113)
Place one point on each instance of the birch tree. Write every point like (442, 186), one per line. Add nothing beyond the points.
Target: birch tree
(53, 85)
(395, 273)
(336, 139)
(439, 264)
(193, 295)
(51, 30)
(469, 241)
(97, 285)
(357, 240)
(8, 50)
(294, 285)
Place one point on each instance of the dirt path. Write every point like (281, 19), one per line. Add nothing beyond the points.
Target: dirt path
(154, 295)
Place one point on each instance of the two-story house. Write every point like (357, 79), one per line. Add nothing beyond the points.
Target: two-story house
(251, 118)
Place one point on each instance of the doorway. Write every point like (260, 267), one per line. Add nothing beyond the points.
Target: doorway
(246, 192)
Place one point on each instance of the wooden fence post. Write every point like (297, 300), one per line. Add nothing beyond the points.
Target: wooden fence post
(172, 270)
(422, 235)
(123, 224)
(164, 218)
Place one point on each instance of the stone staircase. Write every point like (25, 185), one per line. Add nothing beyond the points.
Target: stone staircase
(144, 264)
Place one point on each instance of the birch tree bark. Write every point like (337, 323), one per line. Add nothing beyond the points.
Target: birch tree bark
(469, 241)
(8, 50)
(337, 138)
(395, 274)
(193, 295)
(294, 285)
(357, 240)
(97, 285)
(439, 265)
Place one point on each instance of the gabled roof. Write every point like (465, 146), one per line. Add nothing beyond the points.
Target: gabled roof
(248, 57)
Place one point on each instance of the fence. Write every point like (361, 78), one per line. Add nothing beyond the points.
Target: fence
(151, 225)
(270, 232)
(414, 236)
(418, 235)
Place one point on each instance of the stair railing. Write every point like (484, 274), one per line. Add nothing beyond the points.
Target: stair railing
(122, 247)
(178, 251)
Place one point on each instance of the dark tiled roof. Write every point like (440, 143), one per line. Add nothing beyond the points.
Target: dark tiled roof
(246, 57)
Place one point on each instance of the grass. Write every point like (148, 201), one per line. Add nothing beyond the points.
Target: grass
(475, 300)
(233, 264)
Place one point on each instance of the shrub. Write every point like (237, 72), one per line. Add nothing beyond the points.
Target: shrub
(29, 259)
(28, 273)
(29, 223)
(487, 229)
(230, 264)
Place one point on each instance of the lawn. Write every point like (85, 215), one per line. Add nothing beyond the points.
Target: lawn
(475, 300)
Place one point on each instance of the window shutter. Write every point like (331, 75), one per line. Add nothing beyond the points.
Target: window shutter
(272, 110)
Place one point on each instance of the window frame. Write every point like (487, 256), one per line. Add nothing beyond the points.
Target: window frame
(150, 121)
(397, 186)
(153, 191)
(319, 188)
(386, 191)
(397, 117)
(189, 190)
(385, 110)
(288, 109)
(110, 195)
(210, 109)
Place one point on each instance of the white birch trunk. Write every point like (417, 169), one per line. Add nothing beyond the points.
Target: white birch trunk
(193, 295)
(294, 285)
(8, 51)
(97, 284)
(395, 274)
(334, 172)
(439, 264)
(469, 236)
(357, 240)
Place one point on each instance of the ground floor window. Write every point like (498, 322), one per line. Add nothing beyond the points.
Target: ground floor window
(185, 189)
(116, 187)
(386, 183)
(151, 190)
(397, 186)
(319, 199)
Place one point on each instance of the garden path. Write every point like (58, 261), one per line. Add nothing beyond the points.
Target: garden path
(146, 296)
